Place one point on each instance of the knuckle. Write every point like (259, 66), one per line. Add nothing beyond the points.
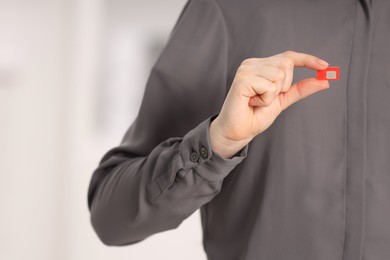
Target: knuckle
(286, 63)
(269, 97)
(288, 53)
(240, 70)
(243, 68)
(244, 62)
(285, 88)
(280, 74)
(241, 75)
(275, 90)
(267, 102)
(247, 61)
(240, 79)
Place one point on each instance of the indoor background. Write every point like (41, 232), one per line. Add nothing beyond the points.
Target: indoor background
(72, 76)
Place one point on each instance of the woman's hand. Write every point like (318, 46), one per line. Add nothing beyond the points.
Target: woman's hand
(260, 91)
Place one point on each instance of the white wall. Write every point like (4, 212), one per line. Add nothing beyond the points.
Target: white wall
(72, 74)
(32, 65)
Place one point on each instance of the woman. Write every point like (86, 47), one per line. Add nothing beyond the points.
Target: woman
(220, 129)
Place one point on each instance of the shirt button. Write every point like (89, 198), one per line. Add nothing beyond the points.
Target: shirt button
(203, 152)
(194, 157)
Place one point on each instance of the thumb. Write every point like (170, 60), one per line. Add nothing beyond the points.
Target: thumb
(300, 90)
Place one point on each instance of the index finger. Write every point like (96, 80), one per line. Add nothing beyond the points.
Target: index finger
(304, 60)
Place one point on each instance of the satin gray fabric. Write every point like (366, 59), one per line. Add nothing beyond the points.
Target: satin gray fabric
(315, 185)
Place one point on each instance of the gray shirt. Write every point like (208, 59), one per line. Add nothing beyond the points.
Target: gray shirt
(315, 185)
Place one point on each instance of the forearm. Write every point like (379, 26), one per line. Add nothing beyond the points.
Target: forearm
(145, 195)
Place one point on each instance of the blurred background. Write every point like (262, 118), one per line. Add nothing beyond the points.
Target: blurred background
(72, 77)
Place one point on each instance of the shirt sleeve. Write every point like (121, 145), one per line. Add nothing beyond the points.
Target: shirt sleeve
(164, 168)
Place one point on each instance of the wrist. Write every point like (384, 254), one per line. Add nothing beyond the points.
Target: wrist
(221, 145)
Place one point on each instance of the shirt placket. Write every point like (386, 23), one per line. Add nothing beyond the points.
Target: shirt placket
(356, 133)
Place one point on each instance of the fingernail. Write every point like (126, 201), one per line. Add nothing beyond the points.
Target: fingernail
(322, 62)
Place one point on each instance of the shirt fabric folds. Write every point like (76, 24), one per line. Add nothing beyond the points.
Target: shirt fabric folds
(315, 185)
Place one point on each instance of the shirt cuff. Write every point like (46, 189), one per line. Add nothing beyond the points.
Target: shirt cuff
(196, 153)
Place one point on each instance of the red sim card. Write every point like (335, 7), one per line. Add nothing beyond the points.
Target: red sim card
(330, 73)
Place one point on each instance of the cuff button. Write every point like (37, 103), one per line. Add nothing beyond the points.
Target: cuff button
(203, 152)
(194, 157)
